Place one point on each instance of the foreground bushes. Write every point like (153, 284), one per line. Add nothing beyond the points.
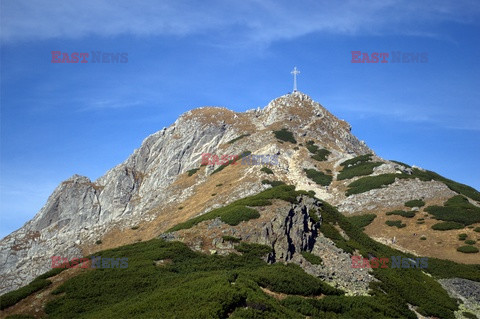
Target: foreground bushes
(192, 285)
(12, 297)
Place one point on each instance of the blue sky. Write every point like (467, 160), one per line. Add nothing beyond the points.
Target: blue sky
(58, 119)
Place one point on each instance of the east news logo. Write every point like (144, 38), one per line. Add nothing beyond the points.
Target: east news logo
(397, 262)
(82, 57)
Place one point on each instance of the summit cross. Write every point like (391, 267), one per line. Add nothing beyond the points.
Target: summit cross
(295, 72)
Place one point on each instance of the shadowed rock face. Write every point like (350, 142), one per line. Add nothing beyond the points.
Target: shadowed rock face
(80, 211)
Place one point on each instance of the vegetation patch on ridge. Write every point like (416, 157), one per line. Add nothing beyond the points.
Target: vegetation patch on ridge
(192, 171)
(415, 203)
(319, 154)
(367, 183)
(447, 226)
(311, 258)
(12, 297)
(394, 288)
(362, 221)
(401, 213)
(357, 166)
(285, 135)
(467, 249)
(241, 210)
(395, 223)
(318, 177)
(456, 209)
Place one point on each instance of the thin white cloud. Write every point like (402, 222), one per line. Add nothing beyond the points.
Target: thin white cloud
(245, 21)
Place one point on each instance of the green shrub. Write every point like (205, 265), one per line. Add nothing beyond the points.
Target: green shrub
(291, 279)
(266, 170)
(285, 135)
(362, 221)
(329, 231)
(192, 171)
(256, 250)
(365, 184)
(423, 238)
(415, 203)
(420, 222)
(396, 223)
(470, 242)
(20, 317)
(98, 242)
(214, 194)
(318, 154)
(361, 169)
(468, 249)
(231, 239)
(462, 236)
(238, 138)
(12, 297)
(134, 227)
(402, 213)
(311, 258)
(357, 160)
(314, 215)
(318, 177)
(477, 229)
(219, 286)
(447, 226)
(321, 155)
(457, 209)
(51, 273)
(218, 185)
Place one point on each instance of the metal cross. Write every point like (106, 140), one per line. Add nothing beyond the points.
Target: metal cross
(295, 72)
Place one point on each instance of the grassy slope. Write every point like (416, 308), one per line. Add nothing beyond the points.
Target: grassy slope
(218, 286)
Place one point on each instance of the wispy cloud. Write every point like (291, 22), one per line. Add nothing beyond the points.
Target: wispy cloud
(252, 21)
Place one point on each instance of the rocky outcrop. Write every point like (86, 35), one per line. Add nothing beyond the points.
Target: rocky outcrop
(466, 290)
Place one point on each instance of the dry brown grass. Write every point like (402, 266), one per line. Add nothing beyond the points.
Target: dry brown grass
(439, 244)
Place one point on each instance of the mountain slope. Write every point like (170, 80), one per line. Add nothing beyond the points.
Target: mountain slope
(163, 184)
